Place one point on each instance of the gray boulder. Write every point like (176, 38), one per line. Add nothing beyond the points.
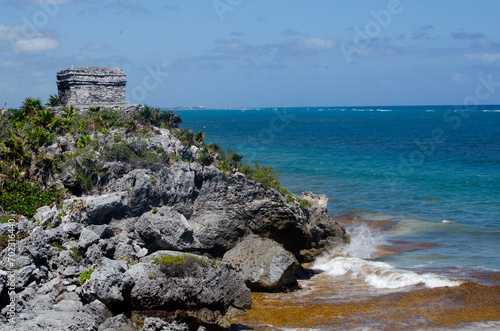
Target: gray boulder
(323, 226)
(108, 284)
(164, 140)
(72, 229)
(87, 238)
(166, 228)
(186, 281)
(263, 263)
(118, 322)
(95, 209)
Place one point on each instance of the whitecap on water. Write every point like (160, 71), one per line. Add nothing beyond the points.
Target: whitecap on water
(381, 275)
(351, 260)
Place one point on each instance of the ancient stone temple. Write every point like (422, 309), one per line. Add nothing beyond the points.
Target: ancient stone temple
(92, 87)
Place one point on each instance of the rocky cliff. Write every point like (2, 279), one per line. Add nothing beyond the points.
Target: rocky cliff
(155, 227)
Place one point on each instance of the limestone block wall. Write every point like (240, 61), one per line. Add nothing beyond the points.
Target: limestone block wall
(91, 86)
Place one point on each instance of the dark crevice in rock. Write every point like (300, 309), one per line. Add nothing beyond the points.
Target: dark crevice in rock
(198, 183)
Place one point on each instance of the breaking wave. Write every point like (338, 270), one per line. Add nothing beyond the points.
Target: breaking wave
(352, 260)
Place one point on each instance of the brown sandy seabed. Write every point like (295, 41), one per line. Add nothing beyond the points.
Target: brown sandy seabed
(344, 303)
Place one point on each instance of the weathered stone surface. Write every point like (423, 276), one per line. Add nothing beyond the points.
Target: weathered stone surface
(87, 238)
(157, 324)
(118, 322)
(92, 86)
(128, 214)
(188, 285)
(166, 229)
(329, 232)
(263, 263)
(108, 284)
(95, 209)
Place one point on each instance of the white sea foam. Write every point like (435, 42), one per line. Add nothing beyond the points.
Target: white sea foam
(380, 274)
(351, 260)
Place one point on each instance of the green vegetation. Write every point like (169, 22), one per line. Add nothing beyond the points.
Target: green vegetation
(181, 259)
(25, 197)
(305, 204)
(53, 100)
(84, 276)
(5, 239)
(76, 254)
(160, 118)
(266, 175)
(57, 245)
(96, 136)
(4, 218)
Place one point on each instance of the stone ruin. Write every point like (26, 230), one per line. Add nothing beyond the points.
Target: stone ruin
(92, 87)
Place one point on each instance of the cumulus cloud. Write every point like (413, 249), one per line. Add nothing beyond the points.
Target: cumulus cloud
(36, 45)
(15, 32)
(23, 40)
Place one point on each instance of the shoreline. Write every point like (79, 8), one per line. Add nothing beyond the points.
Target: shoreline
(326, 302)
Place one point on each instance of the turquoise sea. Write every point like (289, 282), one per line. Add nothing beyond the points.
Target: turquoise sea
(434, 171)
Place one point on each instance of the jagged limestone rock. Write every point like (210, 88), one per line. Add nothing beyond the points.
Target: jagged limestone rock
(263, 263)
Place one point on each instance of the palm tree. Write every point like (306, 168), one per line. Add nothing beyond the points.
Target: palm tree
(30, 106)
(53, 100)
(43, 118)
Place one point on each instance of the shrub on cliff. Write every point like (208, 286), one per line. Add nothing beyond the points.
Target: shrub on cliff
(25, 197)
(160, 118)
(97, 138)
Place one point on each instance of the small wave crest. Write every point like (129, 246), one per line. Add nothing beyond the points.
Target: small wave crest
(351, 260)
(380, 274)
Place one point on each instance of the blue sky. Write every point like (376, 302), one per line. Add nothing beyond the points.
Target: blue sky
(256, 53)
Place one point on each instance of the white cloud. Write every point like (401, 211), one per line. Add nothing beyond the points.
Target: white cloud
(486, 57)
(15, 32)
(36, 45)
(316, 44)
(96, 46)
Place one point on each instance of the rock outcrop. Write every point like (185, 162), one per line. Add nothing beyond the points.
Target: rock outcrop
(141, 245)
(263, 263)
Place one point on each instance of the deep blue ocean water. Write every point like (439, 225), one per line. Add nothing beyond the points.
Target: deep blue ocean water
(433, 169)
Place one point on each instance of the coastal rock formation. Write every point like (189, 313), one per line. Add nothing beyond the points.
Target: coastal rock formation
(92, 86)
(137, 239)
(264, 264)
